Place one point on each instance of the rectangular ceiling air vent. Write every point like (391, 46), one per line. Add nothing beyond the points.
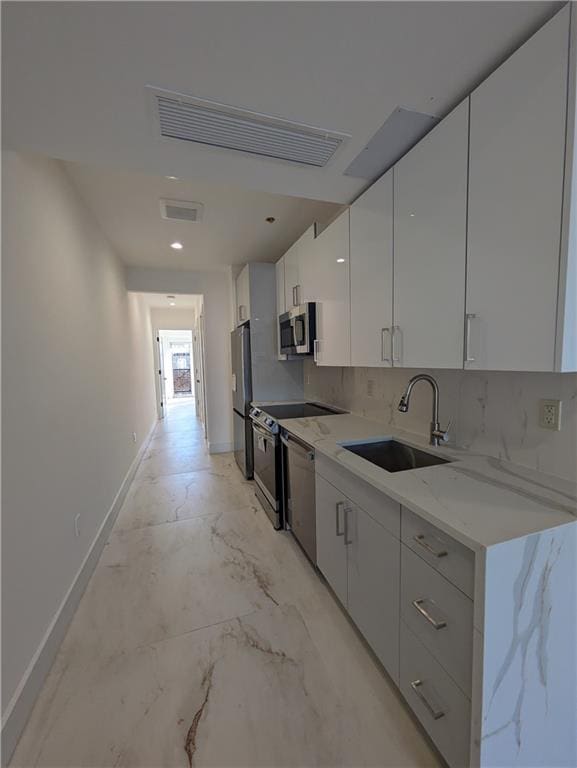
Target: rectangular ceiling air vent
(221, 125)
(180, 210)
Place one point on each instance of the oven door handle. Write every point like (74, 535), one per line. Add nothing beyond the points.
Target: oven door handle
(263, 433)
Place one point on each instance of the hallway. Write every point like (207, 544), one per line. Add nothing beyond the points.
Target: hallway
(205, 639)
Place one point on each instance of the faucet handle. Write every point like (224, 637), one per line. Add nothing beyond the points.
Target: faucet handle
(444, 436)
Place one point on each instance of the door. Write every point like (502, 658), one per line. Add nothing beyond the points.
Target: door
(330, 535)
(330, 286)
(159, 373)
(372, 274)
(430, 247)
(373, 569)
(515, 201)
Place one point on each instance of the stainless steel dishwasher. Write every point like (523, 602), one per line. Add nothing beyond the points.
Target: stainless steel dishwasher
(299, 492)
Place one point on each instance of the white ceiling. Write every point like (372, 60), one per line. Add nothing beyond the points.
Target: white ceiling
(233, 229)
(75, 76)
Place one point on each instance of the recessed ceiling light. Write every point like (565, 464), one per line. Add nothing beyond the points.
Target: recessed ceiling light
(411, 215)
(173, 303)
(172, 178)
(176, 245)
(340, 261)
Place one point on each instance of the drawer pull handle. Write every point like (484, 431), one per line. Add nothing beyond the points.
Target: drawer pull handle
(419, 605)
(436, 714)
(339, 505)
(422, 542)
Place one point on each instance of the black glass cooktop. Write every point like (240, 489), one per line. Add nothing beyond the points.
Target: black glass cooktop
(297, 410)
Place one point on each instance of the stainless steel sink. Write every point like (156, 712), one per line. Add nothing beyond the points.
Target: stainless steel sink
(394, 456)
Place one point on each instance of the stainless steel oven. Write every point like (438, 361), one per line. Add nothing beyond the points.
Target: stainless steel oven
(267, 471)
(298, 330)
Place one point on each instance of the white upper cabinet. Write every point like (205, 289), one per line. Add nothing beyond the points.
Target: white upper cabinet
(517, 156)
(291, 276)
(371, 268)
(243, 296)
(296, 267)
(280, 291)
(328, 284)
(280, 302)
(430, 247)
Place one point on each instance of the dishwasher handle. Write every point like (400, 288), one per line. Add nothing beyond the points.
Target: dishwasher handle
(292, 444)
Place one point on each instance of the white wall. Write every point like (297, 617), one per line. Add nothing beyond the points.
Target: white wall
(494, 413)
(77, 382)
(173, 319)
(216, 290)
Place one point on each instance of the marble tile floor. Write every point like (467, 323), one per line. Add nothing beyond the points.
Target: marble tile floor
(205, 638)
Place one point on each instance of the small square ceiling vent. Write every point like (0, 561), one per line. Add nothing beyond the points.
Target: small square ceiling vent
(220, 125)
(181, 210)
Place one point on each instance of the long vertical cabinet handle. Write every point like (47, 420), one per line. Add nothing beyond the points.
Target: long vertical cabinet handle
(385, 335)
(316, 350)
(294, 296)
(339, 506)
(395, 351)
(346, 531)
(298, 291)
(468, 317)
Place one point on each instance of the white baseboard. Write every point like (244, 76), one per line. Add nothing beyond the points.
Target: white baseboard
(21, 704)
(220, 447)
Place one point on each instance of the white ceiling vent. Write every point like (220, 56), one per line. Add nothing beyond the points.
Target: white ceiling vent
(220, 125)
(181, 210)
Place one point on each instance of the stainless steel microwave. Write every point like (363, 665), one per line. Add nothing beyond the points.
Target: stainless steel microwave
(298, 330)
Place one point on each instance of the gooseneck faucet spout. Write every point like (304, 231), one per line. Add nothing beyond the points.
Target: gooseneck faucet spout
(437, 434)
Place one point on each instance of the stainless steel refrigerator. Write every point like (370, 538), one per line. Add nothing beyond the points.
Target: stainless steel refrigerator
(241, 398)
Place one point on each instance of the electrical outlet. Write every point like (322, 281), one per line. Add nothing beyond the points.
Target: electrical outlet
(77, 526)
(550, 414)
(134, 437)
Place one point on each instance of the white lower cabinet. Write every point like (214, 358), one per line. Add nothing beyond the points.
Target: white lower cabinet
(360, 559)
(413, 613)
(373, 564)
(331, 550)
(438, 702)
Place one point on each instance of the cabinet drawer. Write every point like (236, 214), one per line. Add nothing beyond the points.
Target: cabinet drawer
(382, 509)
(442, 708)
(455, 561)
(440, 615)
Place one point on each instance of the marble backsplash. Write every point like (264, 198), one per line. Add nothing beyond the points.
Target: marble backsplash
(494, 413)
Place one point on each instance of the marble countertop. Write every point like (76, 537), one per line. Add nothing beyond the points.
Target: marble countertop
(479, 500)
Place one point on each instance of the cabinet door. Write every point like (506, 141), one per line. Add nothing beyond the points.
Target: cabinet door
(330, 261)
(515, 198)
(280, 302)
(430, 247)
(374, 585)
(371, 265)
(331, 549)
(291, 276)
(280, 291)
(243, 296)
(306, 271)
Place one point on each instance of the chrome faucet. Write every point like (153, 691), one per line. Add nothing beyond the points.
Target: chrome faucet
(437, 434)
